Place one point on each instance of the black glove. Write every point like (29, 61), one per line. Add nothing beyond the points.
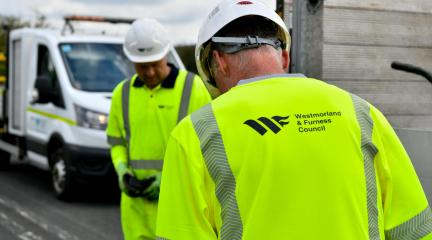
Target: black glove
(134, 187)
(152, 192)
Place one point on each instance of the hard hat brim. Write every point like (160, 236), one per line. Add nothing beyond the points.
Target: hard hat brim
(145, 59)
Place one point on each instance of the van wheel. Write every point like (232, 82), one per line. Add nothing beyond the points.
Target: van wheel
(4, 160)
(61, 175)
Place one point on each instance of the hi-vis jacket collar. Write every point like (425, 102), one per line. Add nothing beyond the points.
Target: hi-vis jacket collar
(167, 83)
(287, 75)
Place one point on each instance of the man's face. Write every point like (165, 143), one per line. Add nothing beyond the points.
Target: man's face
(152, 73)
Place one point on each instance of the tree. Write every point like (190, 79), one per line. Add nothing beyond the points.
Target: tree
(40, 20)
(8, 23)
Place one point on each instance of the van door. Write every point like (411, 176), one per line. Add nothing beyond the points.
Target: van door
(45, 109)
(16, 83)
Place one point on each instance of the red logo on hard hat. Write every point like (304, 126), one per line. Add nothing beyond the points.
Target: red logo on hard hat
(244, 3)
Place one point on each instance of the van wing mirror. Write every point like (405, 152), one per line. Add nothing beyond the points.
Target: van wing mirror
(43, 90)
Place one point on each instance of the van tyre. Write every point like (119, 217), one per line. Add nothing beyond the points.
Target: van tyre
(61, 175)
(4, 160)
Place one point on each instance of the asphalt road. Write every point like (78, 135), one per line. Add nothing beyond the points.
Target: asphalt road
(29, 210)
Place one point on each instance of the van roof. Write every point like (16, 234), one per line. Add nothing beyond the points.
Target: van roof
(57, 37)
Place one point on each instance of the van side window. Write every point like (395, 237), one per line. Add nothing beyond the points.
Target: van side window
(45, 67)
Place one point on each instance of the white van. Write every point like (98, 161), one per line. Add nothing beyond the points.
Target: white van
(56, 101)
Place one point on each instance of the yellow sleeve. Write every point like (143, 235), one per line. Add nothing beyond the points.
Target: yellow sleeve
(115, 131)
(118, 155)
(184, 210)
(199, 95)
(406, 211)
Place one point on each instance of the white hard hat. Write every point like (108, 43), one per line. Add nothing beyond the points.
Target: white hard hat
(146, 41)
(222, 15)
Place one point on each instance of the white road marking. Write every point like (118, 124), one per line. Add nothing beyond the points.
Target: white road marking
(20, 230)
(17, 229)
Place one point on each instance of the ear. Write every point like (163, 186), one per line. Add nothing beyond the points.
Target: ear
(221, 62)
(285, 60)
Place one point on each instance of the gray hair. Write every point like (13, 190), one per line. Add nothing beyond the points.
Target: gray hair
(242, 59)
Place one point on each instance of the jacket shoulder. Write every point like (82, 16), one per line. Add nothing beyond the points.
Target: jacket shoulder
(117, 92)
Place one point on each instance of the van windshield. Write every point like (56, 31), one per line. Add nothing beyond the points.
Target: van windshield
(96, 67)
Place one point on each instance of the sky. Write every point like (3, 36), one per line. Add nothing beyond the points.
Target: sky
(182, 18)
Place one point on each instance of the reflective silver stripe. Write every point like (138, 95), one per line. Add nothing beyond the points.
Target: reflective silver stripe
(415, 228)
(125, 110)
(217, 164)
(161, 238)
(187, 89)
(369, 151)
(113, 141)
(125, 107)
(146, 164)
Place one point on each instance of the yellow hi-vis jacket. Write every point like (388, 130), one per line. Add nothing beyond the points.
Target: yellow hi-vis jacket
(141, 119)
(289, 158)
(140, 122)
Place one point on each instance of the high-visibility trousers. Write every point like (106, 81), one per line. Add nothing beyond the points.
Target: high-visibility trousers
(138, 218)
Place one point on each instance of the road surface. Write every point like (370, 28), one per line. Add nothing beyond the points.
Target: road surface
(29, 210)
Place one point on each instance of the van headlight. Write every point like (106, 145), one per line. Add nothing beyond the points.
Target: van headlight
(91, 119)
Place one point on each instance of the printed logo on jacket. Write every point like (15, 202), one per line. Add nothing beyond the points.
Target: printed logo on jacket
(306, 122)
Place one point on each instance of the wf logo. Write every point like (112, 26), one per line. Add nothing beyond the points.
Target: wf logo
(258, 126)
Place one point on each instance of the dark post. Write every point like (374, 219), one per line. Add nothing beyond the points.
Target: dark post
(280, 8)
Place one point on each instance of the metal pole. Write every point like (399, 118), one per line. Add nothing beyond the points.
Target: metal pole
(296, 36)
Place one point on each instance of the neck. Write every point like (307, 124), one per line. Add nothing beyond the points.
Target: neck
(249, 64)
(164, 74)
(259, 65)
